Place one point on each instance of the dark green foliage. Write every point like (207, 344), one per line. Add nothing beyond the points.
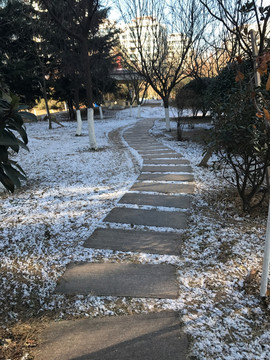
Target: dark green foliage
(224, 85)
(194, 96)
(19, 67)
(84, 52)
(12, 137)
(57, 55)
(240, 138)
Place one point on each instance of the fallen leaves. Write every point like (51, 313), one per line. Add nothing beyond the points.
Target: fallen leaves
(266, 114)
(263, 62)
(267, 87)
(239, 76)
(15, 340)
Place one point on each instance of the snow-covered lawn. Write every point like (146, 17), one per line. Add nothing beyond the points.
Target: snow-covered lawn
(71, 189)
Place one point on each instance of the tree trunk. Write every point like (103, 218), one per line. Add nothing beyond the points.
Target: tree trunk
(76, 98)
(167, 116)
(88, 77)
(101, 112)
(179, 130)
(78, 112)
(205, 159)
(130, 108)
(44, 90)
(91, 129)
(139, 111)
(89, 95)
(70, 109)
(79, 123)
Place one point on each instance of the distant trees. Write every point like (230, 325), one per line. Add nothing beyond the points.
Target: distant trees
(19, 67)
(63, 48)
(162, 35)
(81, 22)
(194, 96)
(67, 48)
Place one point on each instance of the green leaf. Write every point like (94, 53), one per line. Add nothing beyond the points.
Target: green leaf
(22, 107)
(5, 180)
(28, 115)
(3, 154)
(14, 175)
(21, 131)
(8, 139)
(15, 101)
(14, 163)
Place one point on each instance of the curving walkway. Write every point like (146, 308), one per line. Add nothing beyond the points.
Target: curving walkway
(140, 222)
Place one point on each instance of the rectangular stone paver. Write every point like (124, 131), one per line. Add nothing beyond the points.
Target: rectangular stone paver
(142, 336)
(120, 279)
(166, 177)
(135, 241)
(155, 151)
(143, 142)
(166, 161)
(162, 156)
(146, 149)
(163, 188)
(173, 219)
(147, 145)
(181, 202)
(168, 168)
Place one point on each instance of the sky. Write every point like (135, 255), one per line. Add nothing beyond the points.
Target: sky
(114, 13)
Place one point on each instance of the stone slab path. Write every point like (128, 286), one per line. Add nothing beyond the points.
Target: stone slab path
(163, 188)
(155, 336)
(148, 219)
(150, 160)
(112, 279)
(169, 219)
(166, 177)
(135, 241)
(167, 168)
(181, 202)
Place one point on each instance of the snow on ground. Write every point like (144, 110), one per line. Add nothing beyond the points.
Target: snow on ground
(70, 189)
(221, 268)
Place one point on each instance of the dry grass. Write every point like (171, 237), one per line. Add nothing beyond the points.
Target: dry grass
(17, 341)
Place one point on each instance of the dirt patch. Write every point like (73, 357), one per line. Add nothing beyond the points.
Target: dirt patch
(194, 129)
(18, 341)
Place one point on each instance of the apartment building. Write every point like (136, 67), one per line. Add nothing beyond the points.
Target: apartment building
(146, 36)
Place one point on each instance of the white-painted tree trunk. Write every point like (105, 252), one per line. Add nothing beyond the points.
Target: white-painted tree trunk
(167, 119)
(79, 123)
(100, 112)
(266, 259)
(66, 107)
(257, 76)
(91, 129)
(139, 111)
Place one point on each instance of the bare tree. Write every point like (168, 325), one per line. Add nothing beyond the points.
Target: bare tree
(238, 17)
(159, 36)
(137, 88)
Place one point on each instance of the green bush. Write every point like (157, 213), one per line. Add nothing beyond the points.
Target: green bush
(12, 137)
(241, 136)
(194, 96)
